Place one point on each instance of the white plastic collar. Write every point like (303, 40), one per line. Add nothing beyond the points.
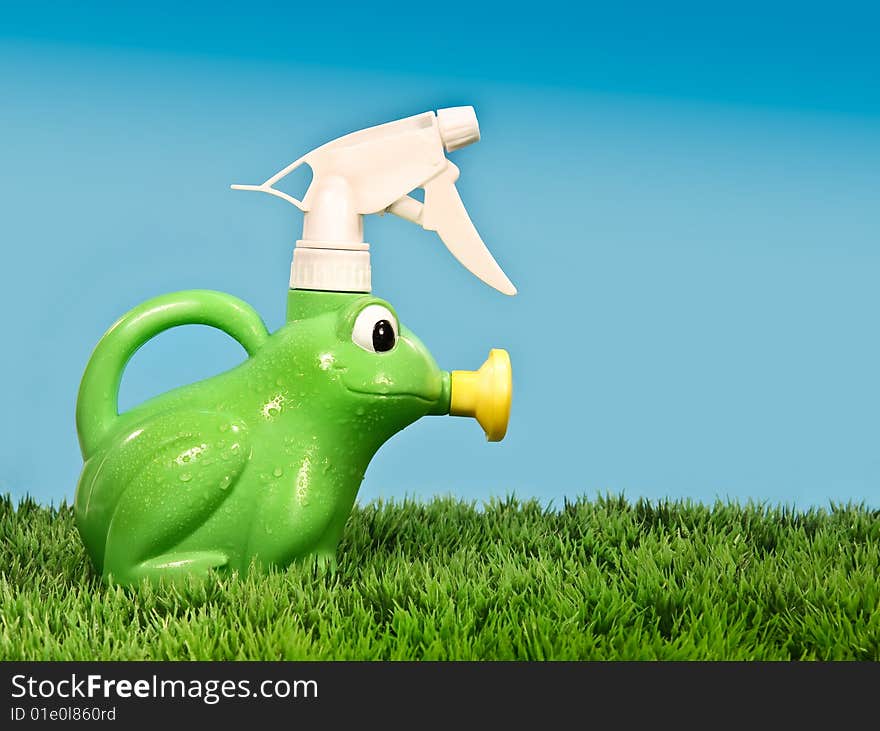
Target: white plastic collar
(316, 266)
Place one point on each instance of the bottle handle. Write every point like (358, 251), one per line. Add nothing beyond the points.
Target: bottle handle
(97, 402)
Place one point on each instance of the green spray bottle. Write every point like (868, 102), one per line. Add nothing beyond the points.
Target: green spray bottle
(260, 466)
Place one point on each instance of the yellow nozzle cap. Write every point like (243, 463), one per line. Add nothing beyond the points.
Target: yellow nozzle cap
(485, 394)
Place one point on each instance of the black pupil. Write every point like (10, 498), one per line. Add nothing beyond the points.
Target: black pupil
(383, 336)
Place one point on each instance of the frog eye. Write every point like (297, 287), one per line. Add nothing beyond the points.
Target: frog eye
(375, 329)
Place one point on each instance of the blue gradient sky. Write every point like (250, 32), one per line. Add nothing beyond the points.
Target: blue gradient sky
(688, 201)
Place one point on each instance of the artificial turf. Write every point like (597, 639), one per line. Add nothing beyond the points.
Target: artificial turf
(601, 579)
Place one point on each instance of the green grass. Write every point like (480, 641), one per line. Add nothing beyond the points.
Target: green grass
(601, 579)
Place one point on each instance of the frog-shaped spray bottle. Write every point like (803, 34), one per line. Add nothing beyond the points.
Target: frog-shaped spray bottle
(260, 465)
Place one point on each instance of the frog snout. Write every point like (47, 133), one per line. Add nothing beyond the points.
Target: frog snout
(485, 394)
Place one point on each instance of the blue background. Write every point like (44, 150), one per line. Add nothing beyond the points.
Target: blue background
(688, 199)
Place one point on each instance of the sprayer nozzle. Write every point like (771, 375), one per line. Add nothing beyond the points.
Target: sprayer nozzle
(458, 127)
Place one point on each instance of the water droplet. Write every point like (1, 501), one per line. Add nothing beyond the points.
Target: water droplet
(224, 427)
(185, 476)
(278, 472)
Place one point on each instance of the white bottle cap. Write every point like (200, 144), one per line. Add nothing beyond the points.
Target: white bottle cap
(315, 266)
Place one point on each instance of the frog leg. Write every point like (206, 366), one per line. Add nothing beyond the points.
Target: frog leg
(172, 496)
(178, 565)
(296, 510)
(325, 550)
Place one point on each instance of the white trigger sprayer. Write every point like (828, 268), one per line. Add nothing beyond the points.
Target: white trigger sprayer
(373, 171)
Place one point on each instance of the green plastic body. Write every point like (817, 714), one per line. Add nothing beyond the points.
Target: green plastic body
(258, 466)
